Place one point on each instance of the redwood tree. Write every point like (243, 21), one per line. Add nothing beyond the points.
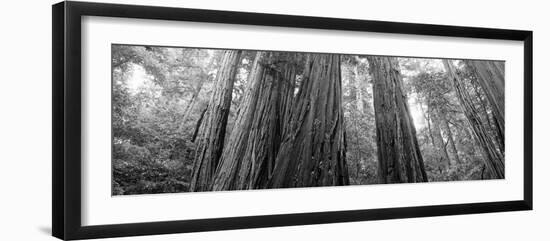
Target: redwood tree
(450, 138)
(490, 75)
(313, 149)
(249, 156)
(399, 157)
(493, 160)
(204, 77)
(210, 144)
(440, 145)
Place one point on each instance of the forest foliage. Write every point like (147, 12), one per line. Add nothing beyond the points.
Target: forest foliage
(191, 119)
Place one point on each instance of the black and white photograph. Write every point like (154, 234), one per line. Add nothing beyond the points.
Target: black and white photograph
(192, 119)
(214, 120)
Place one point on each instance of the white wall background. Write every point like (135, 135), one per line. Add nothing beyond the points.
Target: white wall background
(25, 123)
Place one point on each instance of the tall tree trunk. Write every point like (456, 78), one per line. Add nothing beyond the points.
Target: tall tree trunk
(313, 150)
(272, 114)
(255, 139)
(494, 129)
(199, 124)
(427, 118)
(440, 143)
(287, 88)
(490, 75)
(211, 141)
(399, 157)
(193, 100)
(204, 77)
(450, 138)
(493, 159)
(474, 147)
(500, 135)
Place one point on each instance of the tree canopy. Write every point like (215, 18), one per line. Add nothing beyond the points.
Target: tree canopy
(193, 119)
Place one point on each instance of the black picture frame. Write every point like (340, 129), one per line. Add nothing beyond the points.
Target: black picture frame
(66, 127)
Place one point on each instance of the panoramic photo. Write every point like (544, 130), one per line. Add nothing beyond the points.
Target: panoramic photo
(198, 120)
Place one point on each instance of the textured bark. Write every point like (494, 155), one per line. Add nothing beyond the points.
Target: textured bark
(490, 75)
(287, 88)
(212, 135)
(199, 124)
(193, 100)
(500, 135)
(313, 150)
(438, 136)
(249, 157)
(483, 104)
(494, 161)
(491, 122)
(399, 157)
(447, 129)
(268, 124)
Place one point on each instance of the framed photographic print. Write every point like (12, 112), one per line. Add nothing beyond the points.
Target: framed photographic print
(169, 120)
